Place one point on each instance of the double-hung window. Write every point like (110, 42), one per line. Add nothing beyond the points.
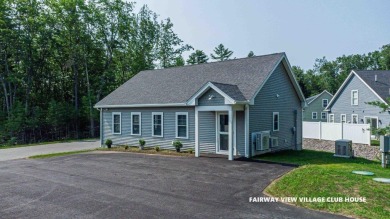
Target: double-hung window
(331, 118)
(343, 118)
(323, 115)
(116, 123)
(324, 102)
(314, 115)
(181, 125)
(275, 121)
(135, 123)
(355, 97)
(355, 119)
(157, 124)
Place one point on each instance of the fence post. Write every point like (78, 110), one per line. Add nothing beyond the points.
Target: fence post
(342, 130)
(320, 126)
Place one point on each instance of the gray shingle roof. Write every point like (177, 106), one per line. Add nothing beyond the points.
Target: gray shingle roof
(241, 79)
(231, 90)
(381, 86)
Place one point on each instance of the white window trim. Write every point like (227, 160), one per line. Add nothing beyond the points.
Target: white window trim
(162, 124)
(140, 122)
(176, 127)
(375, 117)
(329, 115)
(341, 118)
(327, 102)
(357, 118)
(120, 123)
(312, 115)
(273, 121)
(357, 97)
(324, 113)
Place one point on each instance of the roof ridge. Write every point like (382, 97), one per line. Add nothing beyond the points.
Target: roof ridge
(213, 62)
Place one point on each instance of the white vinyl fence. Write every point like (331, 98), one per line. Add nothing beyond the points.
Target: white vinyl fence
(358, 133)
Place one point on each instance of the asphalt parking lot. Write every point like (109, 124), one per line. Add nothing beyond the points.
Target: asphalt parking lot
(127, 185)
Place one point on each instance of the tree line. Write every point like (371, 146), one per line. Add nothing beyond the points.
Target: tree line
(58, 58)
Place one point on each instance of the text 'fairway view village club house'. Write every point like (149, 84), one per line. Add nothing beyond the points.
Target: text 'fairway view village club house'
(241, 107)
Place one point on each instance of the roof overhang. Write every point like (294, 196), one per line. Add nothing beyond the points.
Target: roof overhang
(141, 105)
(353, 73)
(325, 91)
(193, 101)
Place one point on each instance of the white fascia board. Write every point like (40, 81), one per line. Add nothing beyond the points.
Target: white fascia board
(141, 105)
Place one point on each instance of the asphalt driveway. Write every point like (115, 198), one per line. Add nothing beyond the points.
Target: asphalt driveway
(127, 185)
(23, 152)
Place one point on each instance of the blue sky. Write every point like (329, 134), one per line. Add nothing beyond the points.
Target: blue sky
(304, 29)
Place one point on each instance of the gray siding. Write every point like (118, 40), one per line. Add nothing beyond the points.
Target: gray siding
(316, 106)
(240, 132)
(207, 132)
(169, 130)
(277, 95)
(218, 99)
(342, 105)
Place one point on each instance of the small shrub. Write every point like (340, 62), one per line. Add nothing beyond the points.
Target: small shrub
(12, 141)
(177, 144)
(126, 147)
(142, 143)
(108, 143)
(190, 150)
(157, 148)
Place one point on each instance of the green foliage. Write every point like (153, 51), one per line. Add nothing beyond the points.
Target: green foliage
(197, 57)
(58, 58)
(126, 147)
(251, 54)
(157, 148)
(177, 144)
(221, 53)
(142, 142)
(108, 143)
(190, 150)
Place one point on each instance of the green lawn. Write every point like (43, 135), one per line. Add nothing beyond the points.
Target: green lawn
(42, 156)
(322, 175)
(44, 143)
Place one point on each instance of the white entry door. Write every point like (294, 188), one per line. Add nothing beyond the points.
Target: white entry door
(222, 133)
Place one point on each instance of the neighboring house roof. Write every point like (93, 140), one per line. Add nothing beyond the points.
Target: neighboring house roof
(380, 87)
(312, 98)
(241, 79)
(382, 84)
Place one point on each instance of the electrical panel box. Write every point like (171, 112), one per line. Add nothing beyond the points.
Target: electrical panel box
(343, 148)
(385, 144)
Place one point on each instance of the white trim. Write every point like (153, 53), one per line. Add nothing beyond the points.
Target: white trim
(312, 115)
(230, 136)
(357, 118)
(318, 95)
(213, 108)
(162, 124)
(218, 133)
(375, 117)
(247, 131)
(327, 102)
(140, 105)
(120, 123)
(344, 84)
(197, 149)
(235, 132)
(131, 122)
(209, 85)
(341, 118)
(329, 115)
(176, 125)
(324, 113)
(273, 121)
(357, 97)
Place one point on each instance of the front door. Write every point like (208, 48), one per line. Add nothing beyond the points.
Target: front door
(222, 133)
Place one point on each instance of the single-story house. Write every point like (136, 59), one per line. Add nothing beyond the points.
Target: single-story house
(240, 107)
(350, 103)
(314, 111)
